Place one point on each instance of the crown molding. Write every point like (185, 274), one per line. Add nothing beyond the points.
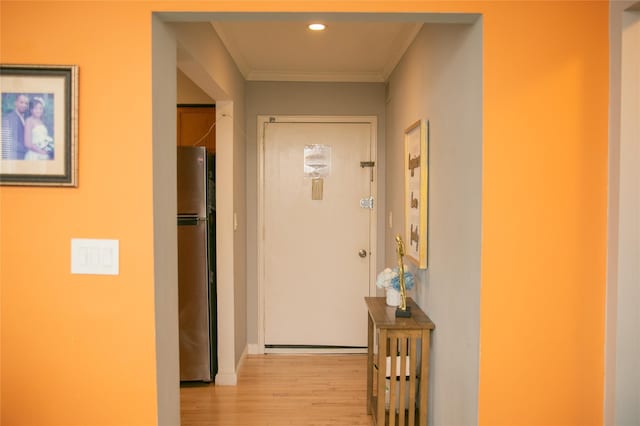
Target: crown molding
(351, 77)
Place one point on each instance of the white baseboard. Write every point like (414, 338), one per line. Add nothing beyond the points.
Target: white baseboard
(231, 379)
(241, 360)
(226, 379)
(255, 349)
(315, 351)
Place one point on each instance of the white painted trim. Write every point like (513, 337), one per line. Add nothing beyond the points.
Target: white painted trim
(255, 349)
(262, 120)
(373, 224)
(403, 46)
(303, 351)
(233, 50)
(353, 77)
(229, 379)
(240, 362)
(224, 238)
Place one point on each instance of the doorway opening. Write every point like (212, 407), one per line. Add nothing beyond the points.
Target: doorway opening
(238, 183)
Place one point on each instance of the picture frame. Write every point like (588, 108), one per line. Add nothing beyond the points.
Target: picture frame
(39, 125)
(416, 198)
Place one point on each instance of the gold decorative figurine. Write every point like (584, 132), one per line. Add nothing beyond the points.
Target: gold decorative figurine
(402, 310)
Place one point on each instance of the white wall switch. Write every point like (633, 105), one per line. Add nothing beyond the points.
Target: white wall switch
(95, 257)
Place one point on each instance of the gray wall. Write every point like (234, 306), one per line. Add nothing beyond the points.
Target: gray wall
(290, 98)
(189, 92)
(622, 368)
(204, 60)
(440, 79)
(165, 269)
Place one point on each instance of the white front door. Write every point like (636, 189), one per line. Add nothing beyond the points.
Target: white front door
(316, 249)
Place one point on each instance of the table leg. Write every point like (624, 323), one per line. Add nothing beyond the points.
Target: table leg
(424, 377)
(369, 364)
(382, 362)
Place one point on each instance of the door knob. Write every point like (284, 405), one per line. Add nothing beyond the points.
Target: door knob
(362, 253)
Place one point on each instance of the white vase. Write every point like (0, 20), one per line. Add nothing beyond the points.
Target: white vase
(393, 297)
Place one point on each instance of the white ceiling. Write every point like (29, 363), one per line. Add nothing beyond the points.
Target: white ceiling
(355, 47)
(288, 51)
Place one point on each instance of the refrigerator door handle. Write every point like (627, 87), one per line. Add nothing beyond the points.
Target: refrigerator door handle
(188, 220)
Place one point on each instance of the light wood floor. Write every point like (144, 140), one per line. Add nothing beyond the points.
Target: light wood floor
(278, 390)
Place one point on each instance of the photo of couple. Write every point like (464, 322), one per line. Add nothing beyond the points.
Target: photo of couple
(26, 126)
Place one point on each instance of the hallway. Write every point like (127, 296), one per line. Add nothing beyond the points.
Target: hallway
(275, 390)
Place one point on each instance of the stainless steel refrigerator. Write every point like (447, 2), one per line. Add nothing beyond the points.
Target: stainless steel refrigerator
(196, 264)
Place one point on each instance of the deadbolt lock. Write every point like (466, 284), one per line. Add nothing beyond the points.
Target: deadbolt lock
(367, 203)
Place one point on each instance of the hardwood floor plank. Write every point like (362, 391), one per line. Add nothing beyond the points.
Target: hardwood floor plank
(282, 390)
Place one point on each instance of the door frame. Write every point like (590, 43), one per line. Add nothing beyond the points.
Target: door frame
(262, 120)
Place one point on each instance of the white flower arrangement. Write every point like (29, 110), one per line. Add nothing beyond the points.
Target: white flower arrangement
(45, 143)
(389, 278)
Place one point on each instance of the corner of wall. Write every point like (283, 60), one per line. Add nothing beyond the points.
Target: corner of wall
(165, 243)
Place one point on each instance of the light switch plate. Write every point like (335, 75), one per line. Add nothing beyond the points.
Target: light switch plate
(95, 257)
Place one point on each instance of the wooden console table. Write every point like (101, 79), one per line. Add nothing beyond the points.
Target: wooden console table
(403, 346)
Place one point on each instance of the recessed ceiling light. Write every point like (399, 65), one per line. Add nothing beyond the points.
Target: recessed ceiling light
(317, 27)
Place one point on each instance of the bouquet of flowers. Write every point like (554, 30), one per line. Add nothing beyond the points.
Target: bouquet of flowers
(45, 143)
(389, 278)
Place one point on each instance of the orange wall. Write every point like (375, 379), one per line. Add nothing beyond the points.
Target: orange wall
(544, 215)
(80, 350)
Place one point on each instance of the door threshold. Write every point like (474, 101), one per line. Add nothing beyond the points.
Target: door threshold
(314, 349)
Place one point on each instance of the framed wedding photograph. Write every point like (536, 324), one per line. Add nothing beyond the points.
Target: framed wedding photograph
(39, 125)
(416, 199)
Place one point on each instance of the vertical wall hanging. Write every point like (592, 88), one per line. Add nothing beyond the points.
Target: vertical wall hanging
(416, 198)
